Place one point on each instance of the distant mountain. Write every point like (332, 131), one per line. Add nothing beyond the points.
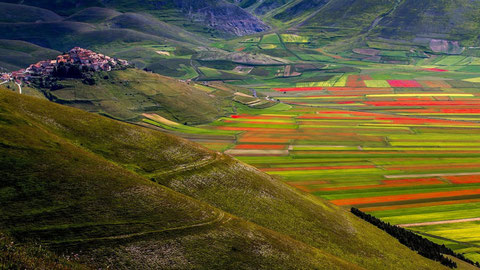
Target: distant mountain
(438, 19)
(221, 16)
(391, 19)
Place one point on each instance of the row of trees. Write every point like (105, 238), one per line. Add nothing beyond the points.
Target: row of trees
(415, 242)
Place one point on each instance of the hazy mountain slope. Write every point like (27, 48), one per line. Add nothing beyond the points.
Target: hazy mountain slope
(54, 35)
(299, 9)
(222, 16)
(269, 5)
(107, 27)
(20, 13)
(392, 19)
(62, 7)
(148, 24)
(355, 15)
(219, 15)
(454, 20)
(93, 15)
(56, 190)
(241, 190)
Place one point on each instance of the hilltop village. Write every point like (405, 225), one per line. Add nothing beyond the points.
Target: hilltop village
(82, 58)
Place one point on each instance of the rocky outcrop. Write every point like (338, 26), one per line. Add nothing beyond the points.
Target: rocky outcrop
(445, 46)
(222, 16)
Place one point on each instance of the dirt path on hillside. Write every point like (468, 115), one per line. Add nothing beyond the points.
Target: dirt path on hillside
(439, 222)
(221, 218)
(19, 88)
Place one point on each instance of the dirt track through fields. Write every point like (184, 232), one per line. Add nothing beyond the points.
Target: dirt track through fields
(438, 222)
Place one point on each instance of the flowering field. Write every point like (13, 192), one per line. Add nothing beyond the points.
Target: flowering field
(404, 146)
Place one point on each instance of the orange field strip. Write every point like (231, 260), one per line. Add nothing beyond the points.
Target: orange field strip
(470, 179)
(405, 197)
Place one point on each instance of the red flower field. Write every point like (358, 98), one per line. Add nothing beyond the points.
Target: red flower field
(404, 84)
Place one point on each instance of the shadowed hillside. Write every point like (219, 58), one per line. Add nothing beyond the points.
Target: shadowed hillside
(221, 16)
(15, 54)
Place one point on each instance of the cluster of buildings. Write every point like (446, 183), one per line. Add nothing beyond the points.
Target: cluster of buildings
(76, 56)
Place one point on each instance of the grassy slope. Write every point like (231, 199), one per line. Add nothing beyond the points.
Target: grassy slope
(30, 257)
(15, 54)
(93, 15)
(356, 15)
(126, 94)
(455, 20)
(68, 197)
(243, 191)
(12, 13)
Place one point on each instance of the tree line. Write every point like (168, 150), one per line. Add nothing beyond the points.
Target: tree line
(415, 242)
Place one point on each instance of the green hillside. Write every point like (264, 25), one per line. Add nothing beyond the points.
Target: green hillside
(15, 54)
(126, 94)
(451, 20)
(32, 256)
(84, 185)
(94, 15)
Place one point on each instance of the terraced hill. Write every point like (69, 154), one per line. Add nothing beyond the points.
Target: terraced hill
(85, 182)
